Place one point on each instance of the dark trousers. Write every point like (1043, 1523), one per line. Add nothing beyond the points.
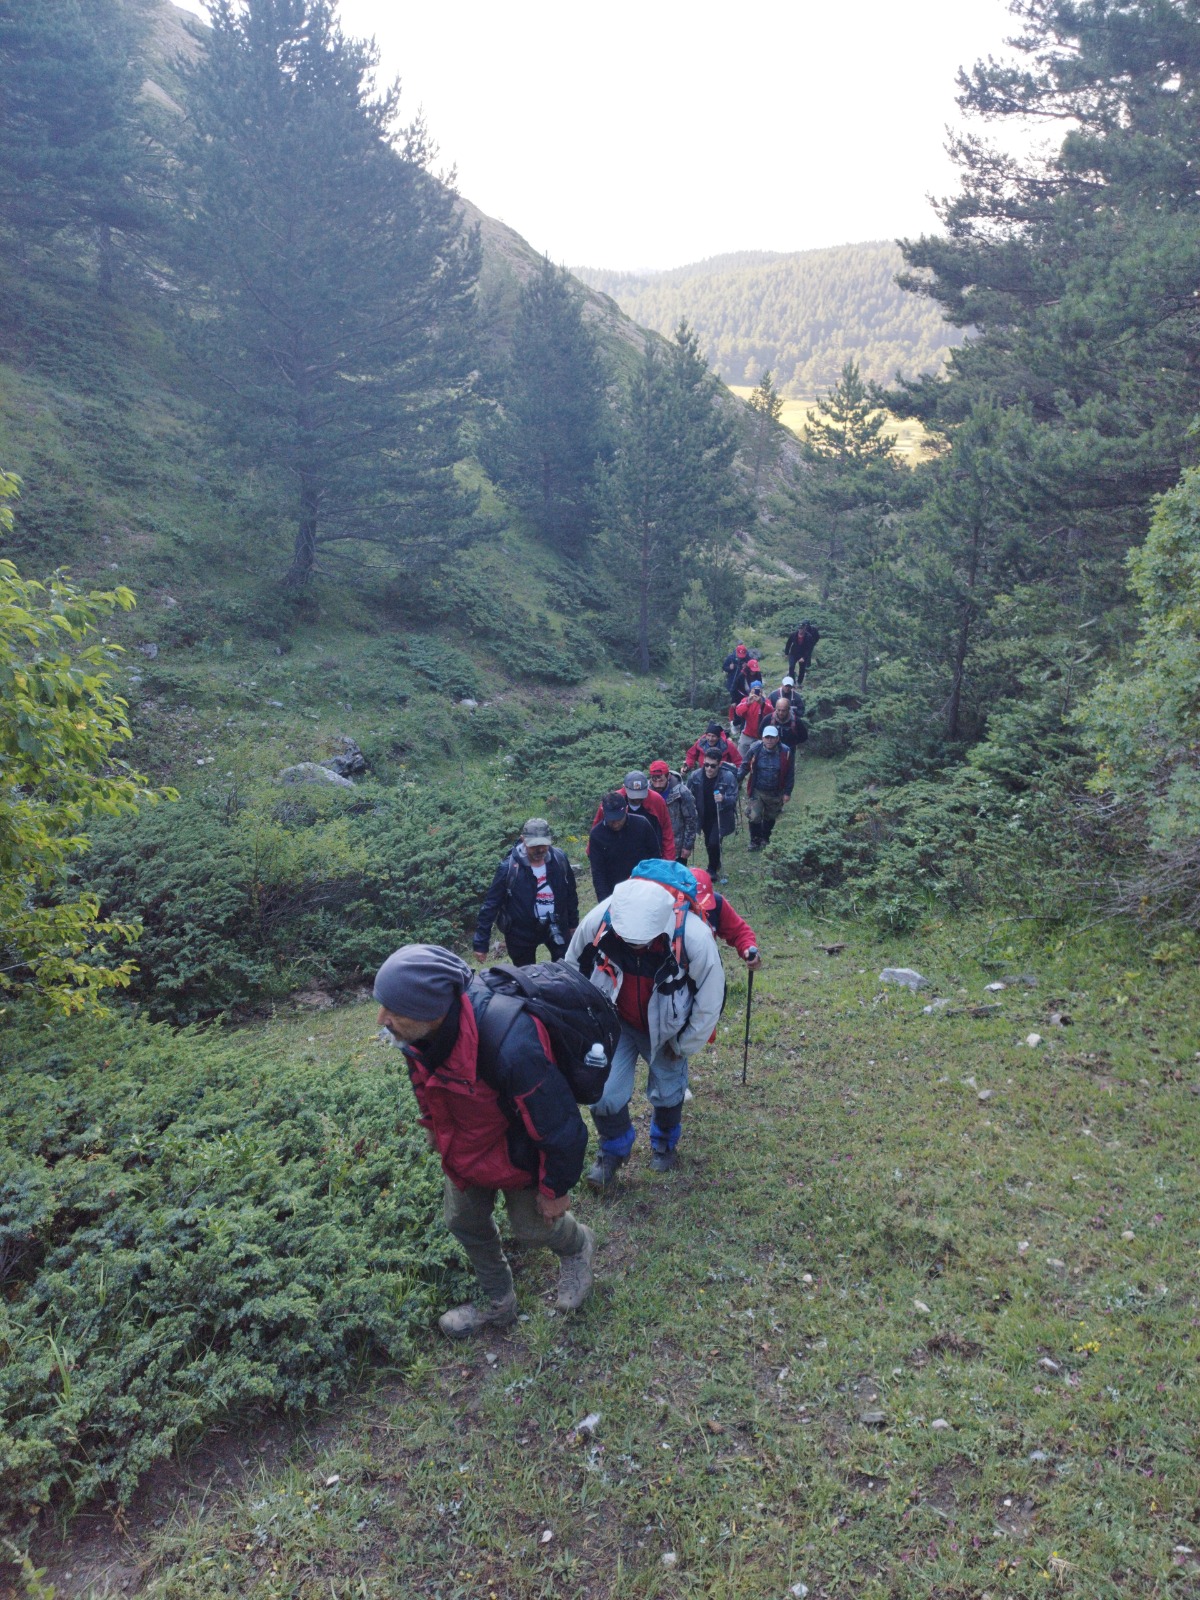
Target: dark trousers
(797, 669)
(522, 954)
(712, 843)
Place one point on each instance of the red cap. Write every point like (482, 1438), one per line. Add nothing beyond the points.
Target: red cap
(740, 651)
(754, 663)
(659, 769)
(706, 897)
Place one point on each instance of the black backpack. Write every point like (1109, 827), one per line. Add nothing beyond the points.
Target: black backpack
(575, 1014)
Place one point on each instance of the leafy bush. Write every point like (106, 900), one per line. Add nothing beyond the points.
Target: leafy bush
(244, 896)
(187, 1227)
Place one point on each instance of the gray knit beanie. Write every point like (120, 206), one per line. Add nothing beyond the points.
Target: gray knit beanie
(421, 981)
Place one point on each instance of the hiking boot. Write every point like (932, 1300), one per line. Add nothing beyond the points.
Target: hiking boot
(663, 1161)
(463, 1320)
(604, 1169)
(575, 1276)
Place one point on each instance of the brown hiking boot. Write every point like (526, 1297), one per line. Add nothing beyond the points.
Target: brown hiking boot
(463, 1320)
(575, 1275)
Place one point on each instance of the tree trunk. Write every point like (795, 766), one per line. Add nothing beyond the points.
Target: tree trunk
(304, 552)
(864, 666)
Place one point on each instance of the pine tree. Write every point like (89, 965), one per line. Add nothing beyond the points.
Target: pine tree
(333, 285)
(767, 405)
(553, 432)
(670, 486)
(74, 155)
(696, 636)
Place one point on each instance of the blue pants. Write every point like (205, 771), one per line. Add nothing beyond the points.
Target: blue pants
(666, 1081)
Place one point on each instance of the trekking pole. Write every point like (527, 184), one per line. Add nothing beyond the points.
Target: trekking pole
(746, 1048)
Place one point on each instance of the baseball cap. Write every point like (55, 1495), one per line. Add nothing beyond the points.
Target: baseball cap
(615, 805)
(770, 731)
(659, 769)
(537, 831)
(757, 684)
(637, 784)
(788, 682)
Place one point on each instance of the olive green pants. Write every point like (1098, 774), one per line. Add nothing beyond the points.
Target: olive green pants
(468, 1215)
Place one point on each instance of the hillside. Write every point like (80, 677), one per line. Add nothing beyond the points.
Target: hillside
(801, 315)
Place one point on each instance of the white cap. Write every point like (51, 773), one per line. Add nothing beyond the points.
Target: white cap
(770, 731)
(788, 683)
(641, 910)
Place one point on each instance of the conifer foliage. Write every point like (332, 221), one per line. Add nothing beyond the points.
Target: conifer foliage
(670, 487)
(553, 432)
(332, 283)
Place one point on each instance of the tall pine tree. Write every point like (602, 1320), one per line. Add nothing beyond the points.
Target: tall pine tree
(553, 431)
(670, 487)
(333, 284)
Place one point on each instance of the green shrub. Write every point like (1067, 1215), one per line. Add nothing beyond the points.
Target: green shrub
(189, 1226)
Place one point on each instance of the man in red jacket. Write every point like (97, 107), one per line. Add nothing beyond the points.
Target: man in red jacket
(647, 802)
(502, 1120)
(754, 712)
(713, 738)
(725, 921)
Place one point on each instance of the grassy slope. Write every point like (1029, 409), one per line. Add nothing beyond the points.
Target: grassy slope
(752, 1307)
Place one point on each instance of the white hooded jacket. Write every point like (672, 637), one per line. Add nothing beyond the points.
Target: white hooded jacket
(683, 1015)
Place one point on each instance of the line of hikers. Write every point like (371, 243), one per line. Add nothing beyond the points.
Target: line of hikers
(500, 1060)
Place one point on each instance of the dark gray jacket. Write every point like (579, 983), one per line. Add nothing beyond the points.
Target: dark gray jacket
(725, 792)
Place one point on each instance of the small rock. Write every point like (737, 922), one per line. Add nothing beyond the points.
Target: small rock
(935, 1005)
(970, 1082)
(1057, 1265)
(994, 988)
(940, 1425)
(547, 1535)
(985, 1094)
(1060, 1019)
(278, 704)
(586, 1426)
(714, 1426)
(799, 1590)
(1127, 1234)
(669, 1558)
(1033, 1040)
(1038, 1455)
(983, 1011)
(808, 1278)
(831, 949)
(150, 651)
(468, 704)
(1049, 1365)
(1023, 1248)
(922, 1307)
(349, 762)
(873, 1419)
(905, 976)
(334, 1478)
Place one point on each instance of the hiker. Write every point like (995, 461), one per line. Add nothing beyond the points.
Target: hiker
(769, 772)
(798, 647)
(647, 803)
(713, 738)
(501, 1119)
(617, 843)
(742, 686)
(754, 712)
(658, 962)
(789, 719)
(732, 666)
(533, 899)
(715, 790)
(679, 802)
(785, 691)
(725, 921)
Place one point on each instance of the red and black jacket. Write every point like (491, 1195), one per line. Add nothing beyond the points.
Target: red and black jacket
(508, 1122)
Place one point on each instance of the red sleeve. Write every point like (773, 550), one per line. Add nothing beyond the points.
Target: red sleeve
(693, 755)
(662, 816)
(740, 709)
(732, 751)
(735, 930)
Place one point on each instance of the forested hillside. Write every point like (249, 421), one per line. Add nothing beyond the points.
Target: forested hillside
(798, 315)
(341, 533)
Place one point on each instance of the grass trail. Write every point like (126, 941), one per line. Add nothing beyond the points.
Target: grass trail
(916, 1316)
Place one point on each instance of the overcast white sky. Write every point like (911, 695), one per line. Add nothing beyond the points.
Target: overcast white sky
(654, 134)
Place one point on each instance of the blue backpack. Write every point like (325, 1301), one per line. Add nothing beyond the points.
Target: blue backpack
(673, 875)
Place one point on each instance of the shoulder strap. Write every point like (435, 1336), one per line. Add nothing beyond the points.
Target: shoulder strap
(496, 1018)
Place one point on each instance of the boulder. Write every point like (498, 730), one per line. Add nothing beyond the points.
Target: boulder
(904, 975)
(349, 761)
(313, 772)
